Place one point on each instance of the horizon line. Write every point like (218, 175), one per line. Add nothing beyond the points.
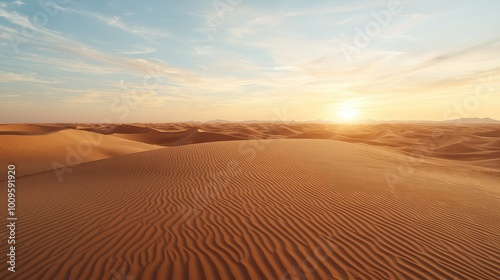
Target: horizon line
(474, 120)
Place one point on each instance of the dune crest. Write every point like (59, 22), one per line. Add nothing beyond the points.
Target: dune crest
(37, 152)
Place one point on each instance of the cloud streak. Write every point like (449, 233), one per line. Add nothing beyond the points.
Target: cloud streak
(55, 41)
(15, 77)
(115, 21)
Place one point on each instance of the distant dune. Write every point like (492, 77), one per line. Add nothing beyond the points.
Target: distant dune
(477, 144)
(36, 151)
(257, 201)
(22, 129)
(191, 136)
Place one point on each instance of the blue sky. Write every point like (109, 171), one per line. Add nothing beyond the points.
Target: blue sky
(161, 61)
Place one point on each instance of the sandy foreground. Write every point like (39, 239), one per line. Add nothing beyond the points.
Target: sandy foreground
(253, 201)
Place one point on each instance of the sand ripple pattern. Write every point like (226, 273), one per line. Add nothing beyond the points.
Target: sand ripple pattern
(273, 209)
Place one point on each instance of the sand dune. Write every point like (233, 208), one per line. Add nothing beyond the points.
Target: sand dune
(474, 143)
(288, 209)
(193, 136)
(317, 134)
(302, 201)
(35, 153)
(25, 129)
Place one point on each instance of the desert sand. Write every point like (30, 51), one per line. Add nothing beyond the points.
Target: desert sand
(254, 201)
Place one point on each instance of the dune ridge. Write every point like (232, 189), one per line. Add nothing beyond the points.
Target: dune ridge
(475, 144)
(38, 152)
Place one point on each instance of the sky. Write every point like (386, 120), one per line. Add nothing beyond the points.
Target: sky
(169, 61)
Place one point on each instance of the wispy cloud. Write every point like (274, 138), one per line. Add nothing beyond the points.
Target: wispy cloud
(115, 21)
(87, 98)
(15, 3)
(15, 77)
(69, 65)
(140, 50)
(203, 50)
(157, 72)
(16, 18)
(55, 41)
(348, 8)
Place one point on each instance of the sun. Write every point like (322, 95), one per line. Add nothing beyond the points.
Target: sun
(345, 111)
(348, 114)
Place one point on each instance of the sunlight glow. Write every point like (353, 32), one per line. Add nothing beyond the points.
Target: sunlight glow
(348, 114)
(346, 111)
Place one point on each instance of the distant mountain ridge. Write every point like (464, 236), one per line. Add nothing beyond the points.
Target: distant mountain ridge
(455, 121)
(474, 120)
(462, 120)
